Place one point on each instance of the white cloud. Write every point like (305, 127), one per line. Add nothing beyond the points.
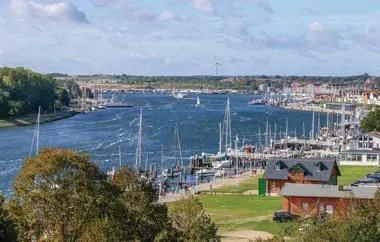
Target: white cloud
(167, 16)
(58, 10)
(320, 36)
(264, 5)
(204, 5)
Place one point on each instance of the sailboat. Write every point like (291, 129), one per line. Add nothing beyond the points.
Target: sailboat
(177, 170)
(36, 134)
(198, 102)
(138, 148)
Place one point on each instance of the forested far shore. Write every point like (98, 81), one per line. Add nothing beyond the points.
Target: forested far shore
(22, 91)
(241, 82)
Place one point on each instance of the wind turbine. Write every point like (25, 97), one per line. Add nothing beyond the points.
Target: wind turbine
(216, 66)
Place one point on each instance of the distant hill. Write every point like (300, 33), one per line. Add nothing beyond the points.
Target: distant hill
(58, 75)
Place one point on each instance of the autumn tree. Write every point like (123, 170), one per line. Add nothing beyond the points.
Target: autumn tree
(57, 195)
(7, 227)
(140, 199)
(189, 218)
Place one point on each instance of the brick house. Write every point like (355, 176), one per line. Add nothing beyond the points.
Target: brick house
(304, 171)
(310, 199)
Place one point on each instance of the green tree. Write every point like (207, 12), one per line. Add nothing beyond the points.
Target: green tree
(7, 227)
(189, 218)
(58, 195)
(371, 122)
(62, 97)
(140, 199)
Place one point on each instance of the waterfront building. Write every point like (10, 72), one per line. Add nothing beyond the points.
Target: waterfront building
(312, 199)
(304, 171)
(359, 157)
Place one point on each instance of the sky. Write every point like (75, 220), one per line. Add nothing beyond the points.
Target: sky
(187, 37)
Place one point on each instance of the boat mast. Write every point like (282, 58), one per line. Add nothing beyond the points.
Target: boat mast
(286, 130)
(259, 137)
(266, 134)
(162, 158)
(312, 127)
(319, 124)
(274, 134)
(220, 138)
(119, 158)
(179, 147)
(229, 121)
(38, 130)
(138, 149)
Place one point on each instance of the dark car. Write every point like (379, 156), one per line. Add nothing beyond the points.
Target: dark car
(284, 216)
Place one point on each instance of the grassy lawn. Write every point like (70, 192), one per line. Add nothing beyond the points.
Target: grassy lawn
(238, 212)
(352, 173)
(246, 185)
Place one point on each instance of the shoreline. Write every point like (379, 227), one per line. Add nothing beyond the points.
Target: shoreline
(315, 109)
(208, 187)
(28, 120)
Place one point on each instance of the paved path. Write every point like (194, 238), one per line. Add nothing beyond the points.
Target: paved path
(245, 235)
(219, 182)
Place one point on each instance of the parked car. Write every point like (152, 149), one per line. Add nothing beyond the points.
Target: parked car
(365, 182)
(375, 176)
(284, 216)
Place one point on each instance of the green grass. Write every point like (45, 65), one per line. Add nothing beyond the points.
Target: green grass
(351, 173)
(238, 212)
(246, 185)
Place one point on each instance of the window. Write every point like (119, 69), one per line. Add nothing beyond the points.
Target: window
(371, 157)
(329, 209)
(305, 206)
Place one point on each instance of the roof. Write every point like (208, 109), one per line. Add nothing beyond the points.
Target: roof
(361, 152)
(374, 134)
(331, 191)
(314, 169)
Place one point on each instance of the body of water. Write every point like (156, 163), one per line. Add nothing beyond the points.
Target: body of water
(101, 133)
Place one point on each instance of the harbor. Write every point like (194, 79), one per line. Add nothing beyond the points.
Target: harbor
(165, 130)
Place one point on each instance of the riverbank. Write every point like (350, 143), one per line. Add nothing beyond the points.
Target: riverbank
(31, 119)
(309, 108)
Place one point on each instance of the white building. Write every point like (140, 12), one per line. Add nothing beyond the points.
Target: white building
(359, 157)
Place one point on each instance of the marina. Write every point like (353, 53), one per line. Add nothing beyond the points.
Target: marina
(224, 136)
(101, 133)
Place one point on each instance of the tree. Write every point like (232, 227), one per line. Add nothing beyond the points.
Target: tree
(58, 195)
(62, 96)
(188, 217)
(140, 199)
(7, 227)
(371, 122)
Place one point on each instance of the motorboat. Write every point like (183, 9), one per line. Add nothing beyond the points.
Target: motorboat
(205, 172)
(257, 102)
(171, 173)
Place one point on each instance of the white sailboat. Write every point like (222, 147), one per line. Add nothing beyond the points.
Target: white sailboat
(36, 134)
(198, 102)
(138, 148)
(176, 171)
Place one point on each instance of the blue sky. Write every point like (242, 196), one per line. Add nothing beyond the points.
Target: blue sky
(183, 37)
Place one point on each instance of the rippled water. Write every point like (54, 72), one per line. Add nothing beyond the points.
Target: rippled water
(101, 133)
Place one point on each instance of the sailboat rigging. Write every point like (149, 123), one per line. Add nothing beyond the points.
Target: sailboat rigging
(36, 134)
